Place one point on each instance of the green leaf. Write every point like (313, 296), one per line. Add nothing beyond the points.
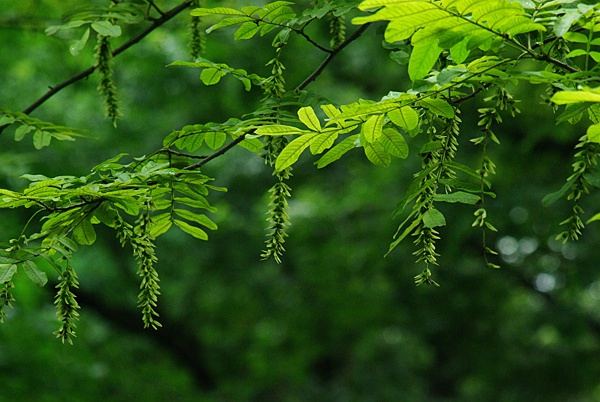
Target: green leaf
(278, 129)
(330, 110)
(372, 128)
(215, 139)
(576, 37)
(573, 112)
(252, 144)
(338, 151)
(191, 142)
(551, 198)
(211, 76)
(6, 272)
(394, 143)
(106, 28)
(595, 55)
(110, 163)
(405, 117)
(247, 30)
(191, 230)
(433, 218)
(21, 131)
(6, 120)
(201, 12)
(308, 117)
(77, 46)
(323, 141)
(459, 196)
(71, 24)
(293, 150)
(8, 258)
(41, 139)
(575, 53)
(422, 59)
(566, 97)
(460, 51)
(564, 23)
(84, 233)
(592, 219)
(226, 22)
(593, 133)
(161, 224)
(34, 273)
(430, 146)
(377, 154)
(196, 203)
(406, 232)
(195, 217)
(438, 106)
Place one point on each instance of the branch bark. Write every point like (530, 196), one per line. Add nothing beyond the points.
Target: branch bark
(330, 57)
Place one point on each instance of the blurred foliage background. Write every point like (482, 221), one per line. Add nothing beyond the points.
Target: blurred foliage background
(335, 321)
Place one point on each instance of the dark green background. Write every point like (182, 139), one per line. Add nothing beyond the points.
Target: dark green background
(335, 321)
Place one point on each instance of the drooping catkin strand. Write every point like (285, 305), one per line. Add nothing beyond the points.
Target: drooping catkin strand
(106, 86)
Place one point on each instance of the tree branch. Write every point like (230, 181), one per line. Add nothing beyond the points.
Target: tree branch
(217, 154)
(57, 88)
(330, 57)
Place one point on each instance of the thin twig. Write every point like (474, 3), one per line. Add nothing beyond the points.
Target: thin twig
(330, 57)
(217, 154)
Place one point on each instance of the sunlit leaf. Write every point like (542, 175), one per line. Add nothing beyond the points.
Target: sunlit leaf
(278, 129)
(438, 106)
(201, 12)
(308, 117)
(338, 151)
(211, 76)
(372, 128)
(377, 154)
(565, 97)
(293, 150)
(394, 143)
(422, 59)
(593, 133)
(405, 117)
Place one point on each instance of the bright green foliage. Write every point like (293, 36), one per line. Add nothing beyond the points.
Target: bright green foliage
(460, 26)
(213, 72)
(455, 51)
(253, 19)
(43, 132)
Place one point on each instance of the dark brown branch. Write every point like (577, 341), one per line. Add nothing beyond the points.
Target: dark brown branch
(57, 88)
(330, 57)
